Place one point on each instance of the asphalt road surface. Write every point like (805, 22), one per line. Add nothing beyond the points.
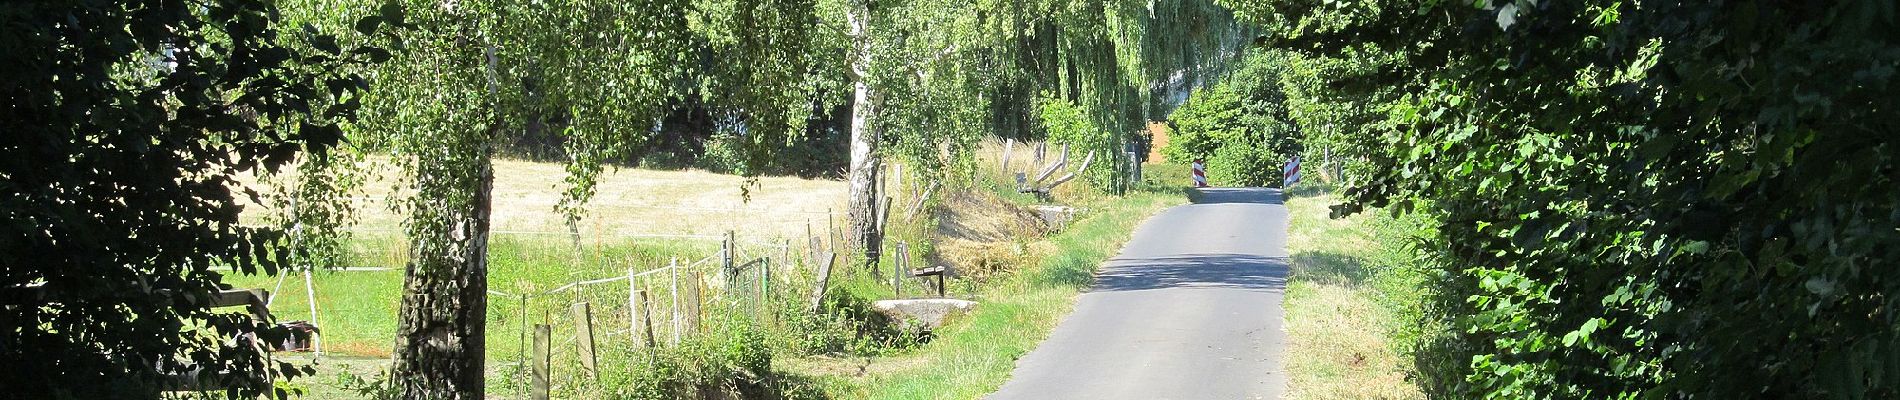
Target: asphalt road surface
(1190, 309)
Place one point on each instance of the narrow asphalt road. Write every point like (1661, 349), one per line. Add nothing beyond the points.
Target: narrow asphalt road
(1190, 309)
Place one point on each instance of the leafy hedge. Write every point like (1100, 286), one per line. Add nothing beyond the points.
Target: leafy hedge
(1240, 126)
(1638, 199)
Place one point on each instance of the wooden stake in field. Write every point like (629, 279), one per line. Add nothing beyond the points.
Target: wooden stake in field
(764, 285)
(584, 336)
(646, 317)
(897, 270)
(726, 255)
(693, 305)
(824, 278)
(911, 213)
(521, 333)
(539, 365)
(633, 292)
(1008, 144)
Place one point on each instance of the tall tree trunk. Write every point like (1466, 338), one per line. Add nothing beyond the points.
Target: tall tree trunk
(861, 209)
(440, 337)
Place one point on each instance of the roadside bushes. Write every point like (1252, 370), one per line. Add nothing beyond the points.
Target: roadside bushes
(732, 362)
(1244, 165)
(1682, 200)
(1240, 126)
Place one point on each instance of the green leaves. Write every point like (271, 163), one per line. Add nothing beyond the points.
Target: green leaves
(1582, 334)
(127, 133)
(1241, 125)
(1696, 184)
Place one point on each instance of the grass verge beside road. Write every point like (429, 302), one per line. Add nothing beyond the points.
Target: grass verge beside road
(1349, 303)
(974, 356)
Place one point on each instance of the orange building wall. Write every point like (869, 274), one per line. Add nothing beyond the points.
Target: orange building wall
(1159, 132)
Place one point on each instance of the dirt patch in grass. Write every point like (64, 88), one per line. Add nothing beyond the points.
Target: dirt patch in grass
(364, 349)
(980, 235)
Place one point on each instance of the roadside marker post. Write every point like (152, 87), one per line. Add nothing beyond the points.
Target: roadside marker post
(1291, 173)
(1200, 173)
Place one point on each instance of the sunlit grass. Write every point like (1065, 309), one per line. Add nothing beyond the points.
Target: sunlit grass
(1344, 303)
(974, 355)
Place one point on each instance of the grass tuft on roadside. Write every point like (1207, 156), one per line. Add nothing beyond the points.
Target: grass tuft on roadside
(1350, 303)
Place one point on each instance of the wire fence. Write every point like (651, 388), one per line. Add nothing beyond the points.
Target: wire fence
(593, 318)
(558, 335)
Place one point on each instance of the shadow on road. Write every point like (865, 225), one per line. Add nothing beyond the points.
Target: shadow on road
(1240, 271)
(1234, 196)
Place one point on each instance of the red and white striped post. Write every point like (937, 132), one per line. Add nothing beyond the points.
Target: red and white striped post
(1200, 173)
(1291, 173)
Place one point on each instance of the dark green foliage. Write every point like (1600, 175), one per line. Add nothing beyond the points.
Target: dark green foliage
(1244, 165)
(1638, 199)
(126, 125)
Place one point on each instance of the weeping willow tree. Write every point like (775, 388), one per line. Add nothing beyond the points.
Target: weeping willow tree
(931, 77)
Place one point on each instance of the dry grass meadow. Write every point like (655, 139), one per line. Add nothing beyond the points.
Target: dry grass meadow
(628, 201)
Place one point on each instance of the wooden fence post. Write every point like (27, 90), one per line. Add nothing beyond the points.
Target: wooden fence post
(816, 246)
(726, 250)
(633, 292)
(584, 336)
(764, 285)
(693, 298)
(673, 270)
(897, 270)
(646, 317)
(1008, 144)
(911, 213)
(521, 335)
(824, 278)
(539, 365)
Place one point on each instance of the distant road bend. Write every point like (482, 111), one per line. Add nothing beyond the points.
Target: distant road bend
(1190, 309)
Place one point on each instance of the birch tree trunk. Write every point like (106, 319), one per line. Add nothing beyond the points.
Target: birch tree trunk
(440, 337)
(861, 209)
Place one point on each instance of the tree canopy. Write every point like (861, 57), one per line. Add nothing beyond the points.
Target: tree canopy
(128, 124)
